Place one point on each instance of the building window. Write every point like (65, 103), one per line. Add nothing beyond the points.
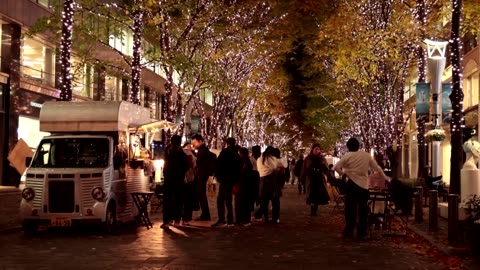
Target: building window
(38, 62)
(99, 84)
(82, 78)
(112, 86)
(469, 42)
(146, 97)
(125, 89)
(121, 39)
(468, 93)
(207, 97)
(48, 3)
(474, 89)
(150, 100)
(158, 104)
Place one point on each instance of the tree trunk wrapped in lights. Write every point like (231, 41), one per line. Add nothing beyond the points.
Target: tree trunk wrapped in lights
(456, 125)
(66, 50)
(138, 26)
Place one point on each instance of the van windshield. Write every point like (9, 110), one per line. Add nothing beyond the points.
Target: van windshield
(72, 153)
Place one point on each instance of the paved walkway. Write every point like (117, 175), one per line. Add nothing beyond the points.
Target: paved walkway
(298, 242)
(439, 240)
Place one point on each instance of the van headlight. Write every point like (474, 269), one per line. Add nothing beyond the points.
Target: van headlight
(28, 194)
(98, 194)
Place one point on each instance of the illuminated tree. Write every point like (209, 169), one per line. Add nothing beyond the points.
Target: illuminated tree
(370, 57)
(236, 59)
(94, 23)
(131, 15)
(176, 25)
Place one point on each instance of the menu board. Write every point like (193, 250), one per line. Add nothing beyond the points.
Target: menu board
(18, 156)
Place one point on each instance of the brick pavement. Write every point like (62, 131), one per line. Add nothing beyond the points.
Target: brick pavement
(299, 242)
(9, 202)
(439, 239)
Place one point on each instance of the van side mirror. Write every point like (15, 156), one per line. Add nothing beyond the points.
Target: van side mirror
(28, 160)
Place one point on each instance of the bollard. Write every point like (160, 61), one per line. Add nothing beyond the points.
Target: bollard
(433, 211)
(452, 218)
(419, 205)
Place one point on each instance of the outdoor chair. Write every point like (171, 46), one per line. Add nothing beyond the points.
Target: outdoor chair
(337, 188)
(157, 200)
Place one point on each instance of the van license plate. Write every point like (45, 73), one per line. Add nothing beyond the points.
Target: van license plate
(61, 221)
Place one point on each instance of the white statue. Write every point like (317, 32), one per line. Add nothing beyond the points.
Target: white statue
(472, 149)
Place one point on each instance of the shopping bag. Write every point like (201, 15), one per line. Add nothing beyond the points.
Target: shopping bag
(212, 186)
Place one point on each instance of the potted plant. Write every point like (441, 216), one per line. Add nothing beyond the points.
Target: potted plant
(472, 208)
(435, 135)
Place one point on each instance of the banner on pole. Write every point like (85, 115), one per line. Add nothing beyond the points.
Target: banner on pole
(422, 100)
(446, 103)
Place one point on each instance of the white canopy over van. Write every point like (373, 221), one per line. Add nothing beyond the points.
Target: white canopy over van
(66, 116)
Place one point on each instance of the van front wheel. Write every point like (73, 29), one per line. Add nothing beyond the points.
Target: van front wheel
(110, 219)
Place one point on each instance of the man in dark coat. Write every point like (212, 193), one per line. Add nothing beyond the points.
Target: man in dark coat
(227, 171)
(174, 170)
(204, 169)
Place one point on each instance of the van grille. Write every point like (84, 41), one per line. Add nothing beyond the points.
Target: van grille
(87, 187)
(61, 196)
(37, 185)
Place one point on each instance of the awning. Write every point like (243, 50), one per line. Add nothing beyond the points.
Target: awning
(157, 126)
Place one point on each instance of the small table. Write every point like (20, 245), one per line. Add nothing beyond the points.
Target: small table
(388, 213)
(141, 200)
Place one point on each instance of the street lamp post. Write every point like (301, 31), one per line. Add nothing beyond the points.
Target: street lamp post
(435, 66)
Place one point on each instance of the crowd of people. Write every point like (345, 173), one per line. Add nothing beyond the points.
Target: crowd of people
(250, 181)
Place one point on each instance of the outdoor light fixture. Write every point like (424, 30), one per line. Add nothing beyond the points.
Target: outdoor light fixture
(435, 66)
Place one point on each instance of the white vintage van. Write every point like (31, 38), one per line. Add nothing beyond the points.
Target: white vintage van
(86, 169)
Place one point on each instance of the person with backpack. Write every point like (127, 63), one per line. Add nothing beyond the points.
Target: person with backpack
(205, 167)
(297, 171)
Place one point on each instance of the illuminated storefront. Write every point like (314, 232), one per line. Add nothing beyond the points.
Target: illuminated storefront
(28, 110)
